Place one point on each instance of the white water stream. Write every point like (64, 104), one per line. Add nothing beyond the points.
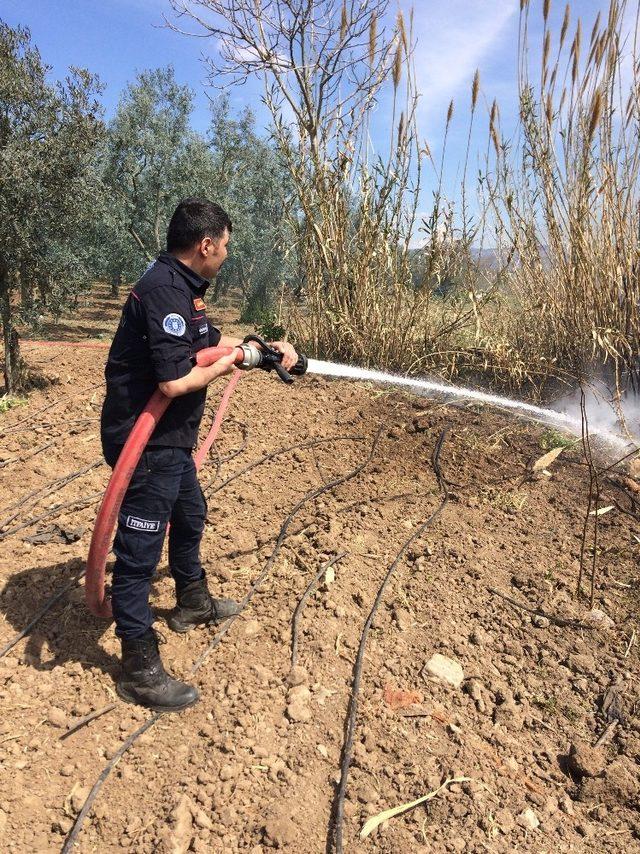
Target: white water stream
(525, 410)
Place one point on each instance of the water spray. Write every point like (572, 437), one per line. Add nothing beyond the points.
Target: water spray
(526, 410)
(266, 358)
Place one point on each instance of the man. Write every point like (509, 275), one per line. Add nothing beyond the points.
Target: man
(164, 322)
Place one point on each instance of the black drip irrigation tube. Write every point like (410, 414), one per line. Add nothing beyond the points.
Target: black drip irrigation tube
(297, 614)
(334, 839)
(257, 584)
(211, 488)
(49, 603)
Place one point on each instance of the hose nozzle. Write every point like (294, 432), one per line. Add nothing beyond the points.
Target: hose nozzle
(269, 359)
(247, 357)
(300, 366)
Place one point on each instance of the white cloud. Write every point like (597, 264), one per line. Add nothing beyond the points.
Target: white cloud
(453, 39)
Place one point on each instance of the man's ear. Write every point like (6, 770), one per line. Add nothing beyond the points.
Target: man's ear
(209, 246)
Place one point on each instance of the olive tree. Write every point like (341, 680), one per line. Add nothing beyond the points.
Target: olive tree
(48, 187)
(153, 159)
(250, 180)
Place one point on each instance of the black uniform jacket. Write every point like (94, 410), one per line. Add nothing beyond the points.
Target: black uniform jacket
(164, 322)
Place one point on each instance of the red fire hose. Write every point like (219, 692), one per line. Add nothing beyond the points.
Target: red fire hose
(121, 475)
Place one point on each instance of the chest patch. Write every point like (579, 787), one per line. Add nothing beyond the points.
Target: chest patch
(174, 324)
(198, 304)
(203, 329)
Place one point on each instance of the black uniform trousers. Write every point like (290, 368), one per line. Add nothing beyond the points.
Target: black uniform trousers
(164, 489)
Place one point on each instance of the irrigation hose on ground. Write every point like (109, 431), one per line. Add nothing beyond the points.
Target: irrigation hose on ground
(245, 356)
(97, 602)
(222, 631)
(335, 836)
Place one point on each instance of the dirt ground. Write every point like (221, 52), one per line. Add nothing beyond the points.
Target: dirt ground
(255, 765)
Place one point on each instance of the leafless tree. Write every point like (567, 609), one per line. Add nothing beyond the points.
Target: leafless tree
(326, 65)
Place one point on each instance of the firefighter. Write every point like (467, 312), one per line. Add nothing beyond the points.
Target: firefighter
(164, 323)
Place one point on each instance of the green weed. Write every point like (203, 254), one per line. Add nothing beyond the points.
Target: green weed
(268, 326)
(553, 439)
(8, 401)
(546, 704)
(570, 713)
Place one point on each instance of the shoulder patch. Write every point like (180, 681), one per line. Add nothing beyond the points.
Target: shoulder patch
(174, 324)
(198, 304)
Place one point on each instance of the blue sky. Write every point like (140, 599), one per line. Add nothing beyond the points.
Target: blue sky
(116, 38)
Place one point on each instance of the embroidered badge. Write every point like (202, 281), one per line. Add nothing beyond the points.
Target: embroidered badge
(203, 329)
(198, 304)
(148, 525)
(174, 324)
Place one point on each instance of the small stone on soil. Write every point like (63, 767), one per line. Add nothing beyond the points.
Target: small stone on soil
(56, 717)
(540, 622)
(78, 798)
(446, 669)
(598, 619)
(251, 628)
(280, 832)
(298, 711)
(586, 761)
(62, 825)
(203, 820)
(528, 819)
(297, 676)
(300, 693)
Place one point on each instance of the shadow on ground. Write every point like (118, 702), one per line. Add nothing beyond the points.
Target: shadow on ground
(68, 632)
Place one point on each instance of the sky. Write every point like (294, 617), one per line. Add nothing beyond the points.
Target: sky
(117, 38)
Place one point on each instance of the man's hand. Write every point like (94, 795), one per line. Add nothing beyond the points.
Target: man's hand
(289, 355)
(198, 377)
(226, 364)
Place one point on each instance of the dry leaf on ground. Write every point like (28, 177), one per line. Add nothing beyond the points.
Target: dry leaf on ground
(601, 510)
(375, 820)
(546, 460)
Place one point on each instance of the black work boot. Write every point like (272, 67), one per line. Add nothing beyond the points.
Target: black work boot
(144, 681)
(197, 607)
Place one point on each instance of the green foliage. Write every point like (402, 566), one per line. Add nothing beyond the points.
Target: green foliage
(49, 186)
(252, 184)
(549, 704)
(553, 439)
(151, 161)
(8, 402)
(268, 326)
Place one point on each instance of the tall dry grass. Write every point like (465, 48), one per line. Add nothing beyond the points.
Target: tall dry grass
(364, 295)
(560, 303)
(358, 298)
(560, 203)
(565, 208)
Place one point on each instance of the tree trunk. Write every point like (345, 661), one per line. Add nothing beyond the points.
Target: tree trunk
(115, 284)
(18, 367)
(6, 337)
(14, 373)
(44, 285)
(24, 286)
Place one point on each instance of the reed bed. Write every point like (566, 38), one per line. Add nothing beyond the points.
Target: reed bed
(559, 208)
(558, 303)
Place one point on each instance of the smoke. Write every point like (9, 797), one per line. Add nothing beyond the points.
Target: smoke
(605, 413)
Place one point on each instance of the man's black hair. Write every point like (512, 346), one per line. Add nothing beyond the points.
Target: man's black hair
(193, 220)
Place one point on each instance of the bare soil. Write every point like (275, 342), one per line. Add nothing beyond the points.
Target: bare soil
(255, 764)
